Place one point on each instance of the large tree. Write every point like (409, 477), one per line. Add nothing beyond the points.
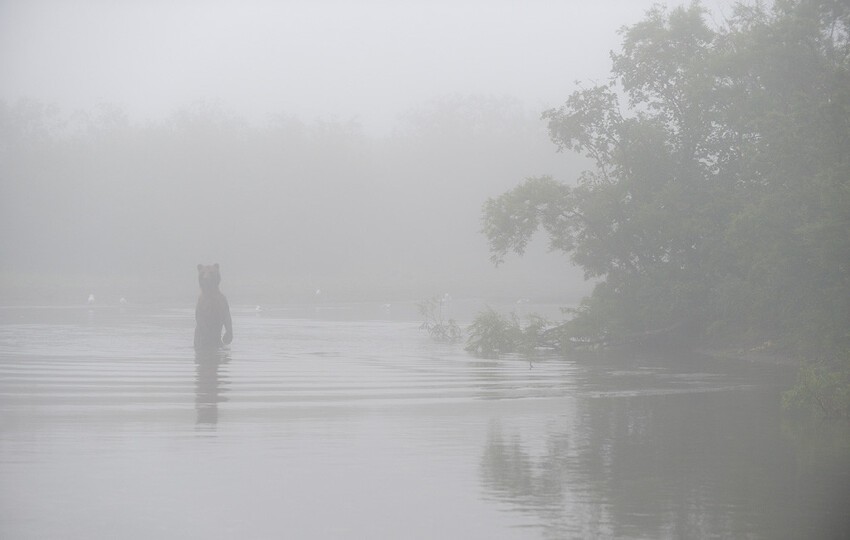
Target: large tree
(719, 203)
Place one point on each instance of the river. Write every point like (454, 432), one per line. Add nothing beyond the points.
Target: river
(347, 421)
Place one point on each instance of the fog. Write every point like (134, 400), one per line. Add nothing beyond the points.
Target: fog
(354, 167)
(339, 146)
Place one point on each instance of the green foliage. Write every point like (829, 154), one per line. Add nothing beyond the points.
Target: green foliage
(492, 334)
(719, 201)
(440, 329)
(512, 219)
(820, 390)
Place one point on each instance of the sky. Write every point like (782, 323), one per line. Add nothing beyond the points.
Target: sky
(367, 60)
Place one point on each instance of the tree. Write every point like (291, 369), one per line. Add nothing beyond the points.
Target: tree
(719, 201)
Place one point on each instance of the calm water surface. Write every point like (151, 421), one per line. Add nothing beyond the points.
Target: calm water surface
(349, 422)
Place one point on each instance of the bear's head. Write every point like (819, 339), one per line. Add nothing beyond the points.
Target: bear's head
(209, 277)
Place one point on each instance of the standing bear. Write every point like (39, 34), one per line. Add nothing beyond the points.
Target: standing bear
(212, 311)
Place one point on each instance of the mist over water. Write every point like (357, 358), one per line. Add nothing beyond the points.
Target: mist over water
(117, 209)
(333, 158)
(302, 145)
(351, 422)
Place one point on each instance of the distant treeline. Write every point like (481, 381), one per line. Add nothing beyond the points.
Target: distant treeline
(91, 199)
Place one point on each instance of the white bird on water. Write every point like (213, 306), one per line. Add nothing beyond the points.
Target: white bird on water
(91, 299)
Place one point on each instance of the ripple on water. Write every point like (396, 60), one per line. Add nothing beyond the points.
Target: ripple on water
(146, 368)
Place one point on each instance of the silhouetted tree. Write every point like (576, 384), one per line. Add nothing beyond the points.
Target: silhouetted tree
(719, 204)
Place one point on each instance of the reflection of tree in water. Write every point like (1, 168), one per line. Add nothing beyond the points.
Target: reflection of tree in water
(545, 484)
(686, 466)
(509, 473)
(210, 385)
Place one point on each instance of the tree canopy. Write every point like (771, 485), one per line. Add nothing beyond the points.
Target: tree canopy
(718, 206)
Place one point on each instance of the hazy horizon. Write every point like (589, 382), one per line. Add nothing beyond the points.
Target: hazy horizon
(301, 145)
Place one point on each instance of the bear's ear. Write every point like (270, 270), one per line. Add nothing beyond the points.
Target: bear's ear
(200, 267)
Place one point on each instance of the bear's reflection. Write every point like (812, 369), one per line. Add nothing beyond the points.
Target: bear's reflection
(210, 385)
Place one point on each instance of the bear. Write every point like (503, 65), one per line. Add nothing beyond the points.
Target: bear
(212, 311)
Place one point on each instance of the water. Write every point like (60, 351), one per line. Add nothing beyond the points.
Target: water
(348, 422)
